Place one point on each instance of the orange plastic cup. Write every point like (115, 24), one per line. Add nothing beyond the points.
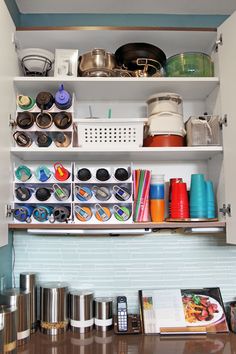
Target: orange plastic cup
(157, 210)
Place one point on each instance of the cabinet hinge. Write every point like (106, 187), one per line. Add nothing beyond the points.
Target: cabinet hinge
(12, 122)
(223, 121)
(218, 42)
(9, 211)
(226, 210)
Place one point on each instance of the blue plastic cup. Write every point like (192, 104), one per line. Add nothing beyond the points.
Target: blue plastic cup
(211, 212)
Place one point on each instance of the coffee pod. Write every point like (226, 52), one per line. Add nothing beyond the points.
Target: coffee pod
(42, 194)
(84, 174)
(102, 174)
(43, 139)
(44, 100)
(22, 139)
(63, 99)
(23, 193)
(25, 102)
(44, 120)
(121, 174)
(62, 140)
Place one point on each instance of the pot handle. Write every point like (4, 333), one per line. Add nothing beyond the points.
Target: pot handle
(97, 51)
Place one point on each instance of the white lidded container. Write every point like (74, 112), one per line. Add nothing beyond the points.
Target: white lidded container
(166, 123)
(165, 102)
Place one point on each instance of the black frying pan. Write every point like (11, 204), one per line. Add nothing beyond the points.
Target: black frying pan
(128, 54)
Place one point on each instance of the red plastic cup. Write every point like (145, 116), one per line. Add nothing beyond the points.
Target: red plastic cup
(172, 181)
(179, 201)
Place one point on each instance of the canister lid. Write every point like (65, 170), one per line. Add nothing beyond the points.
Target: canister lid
(54, 285)
(81, 292)
(103, 299)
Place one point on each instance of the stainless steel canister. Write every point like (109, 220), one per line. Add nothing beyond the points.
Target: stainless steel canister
(103, 313)
(81, 311)
(28, 283)
(53, 308)
(19, 299)
(8, 318)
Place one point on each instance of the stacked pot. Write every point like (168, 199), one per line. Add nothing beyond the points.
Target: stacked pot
(165, 120)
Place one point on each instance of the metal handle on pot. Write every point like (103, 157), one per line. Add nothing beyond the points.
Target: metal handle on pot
(98, 51)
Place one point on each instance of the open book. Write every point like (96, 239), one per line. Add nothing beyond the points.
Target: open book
(182, 311)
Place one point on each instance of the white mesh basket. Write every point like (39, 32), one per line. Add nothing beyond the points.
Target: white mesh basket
(113, 132)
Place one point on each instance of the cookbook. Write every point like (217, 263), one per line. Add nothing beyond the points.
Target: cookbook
(182, 311)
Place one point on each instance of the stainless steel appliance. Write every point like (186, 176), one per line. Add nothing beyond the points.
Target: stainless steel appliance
(81, 311)
(28, 283)
(20, 300)
(53, 308)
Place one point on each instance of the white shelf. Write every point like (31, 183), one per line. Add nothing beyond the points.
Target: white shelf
(94, 88)
(137, 154)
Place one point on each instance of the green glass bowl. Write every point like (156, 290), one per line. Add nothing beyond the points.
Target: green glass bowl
(190, 64)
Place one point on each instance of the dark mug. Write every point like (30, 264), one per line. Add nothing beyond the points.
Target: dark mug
(22, 139)
(25, 120)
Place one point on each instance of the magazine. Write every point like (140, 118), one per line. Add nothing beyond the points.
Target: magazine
(182, 311)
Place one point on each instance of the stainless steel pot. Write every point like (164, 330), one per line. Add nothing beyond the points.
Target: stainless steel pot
(98, 63)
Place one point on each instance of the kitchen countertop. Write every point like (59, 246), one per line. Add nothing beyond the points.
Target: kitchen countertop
(109, 343)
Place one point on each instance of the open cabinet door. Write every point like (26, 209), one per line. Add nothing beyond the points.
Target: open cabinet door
(227, 71)
(8, 69)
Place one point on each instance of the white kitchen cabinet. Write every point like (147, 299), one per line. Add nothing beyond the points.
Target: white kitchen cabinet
(127, 98)
(8, 69)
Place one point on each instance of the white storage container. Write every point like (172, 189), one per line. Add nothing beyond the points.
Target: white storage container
(166, 123)
(114, 132)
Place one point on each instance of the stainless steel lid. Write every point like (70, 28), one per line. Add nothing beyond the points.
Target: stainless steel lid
(11, 296)
(27, 280)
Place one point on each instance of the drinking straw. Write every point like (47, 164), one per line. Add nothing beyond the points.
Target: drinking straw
(145, 193)
(140, 191)
(109, 113)
(146, 188)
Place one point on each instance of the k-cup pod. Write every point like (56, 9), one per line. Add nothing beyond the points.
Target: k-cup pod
(121, 174)
(42, 213)
(43, 173)
(83, 193)
(62, 140)
(44, 120)
(44, 100)
(101, 192)
(61, 193)
(43, 139)
(23, 193)
(102, 213)
(26, 103)
(62, 120)
(23, 213)
(25, 120)
(63, 99)
(23, 173)
(84, 174)
(42, 194)
(61, 214)
(22, 139)
(102, 174)
(83, 213)
(61, 173)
